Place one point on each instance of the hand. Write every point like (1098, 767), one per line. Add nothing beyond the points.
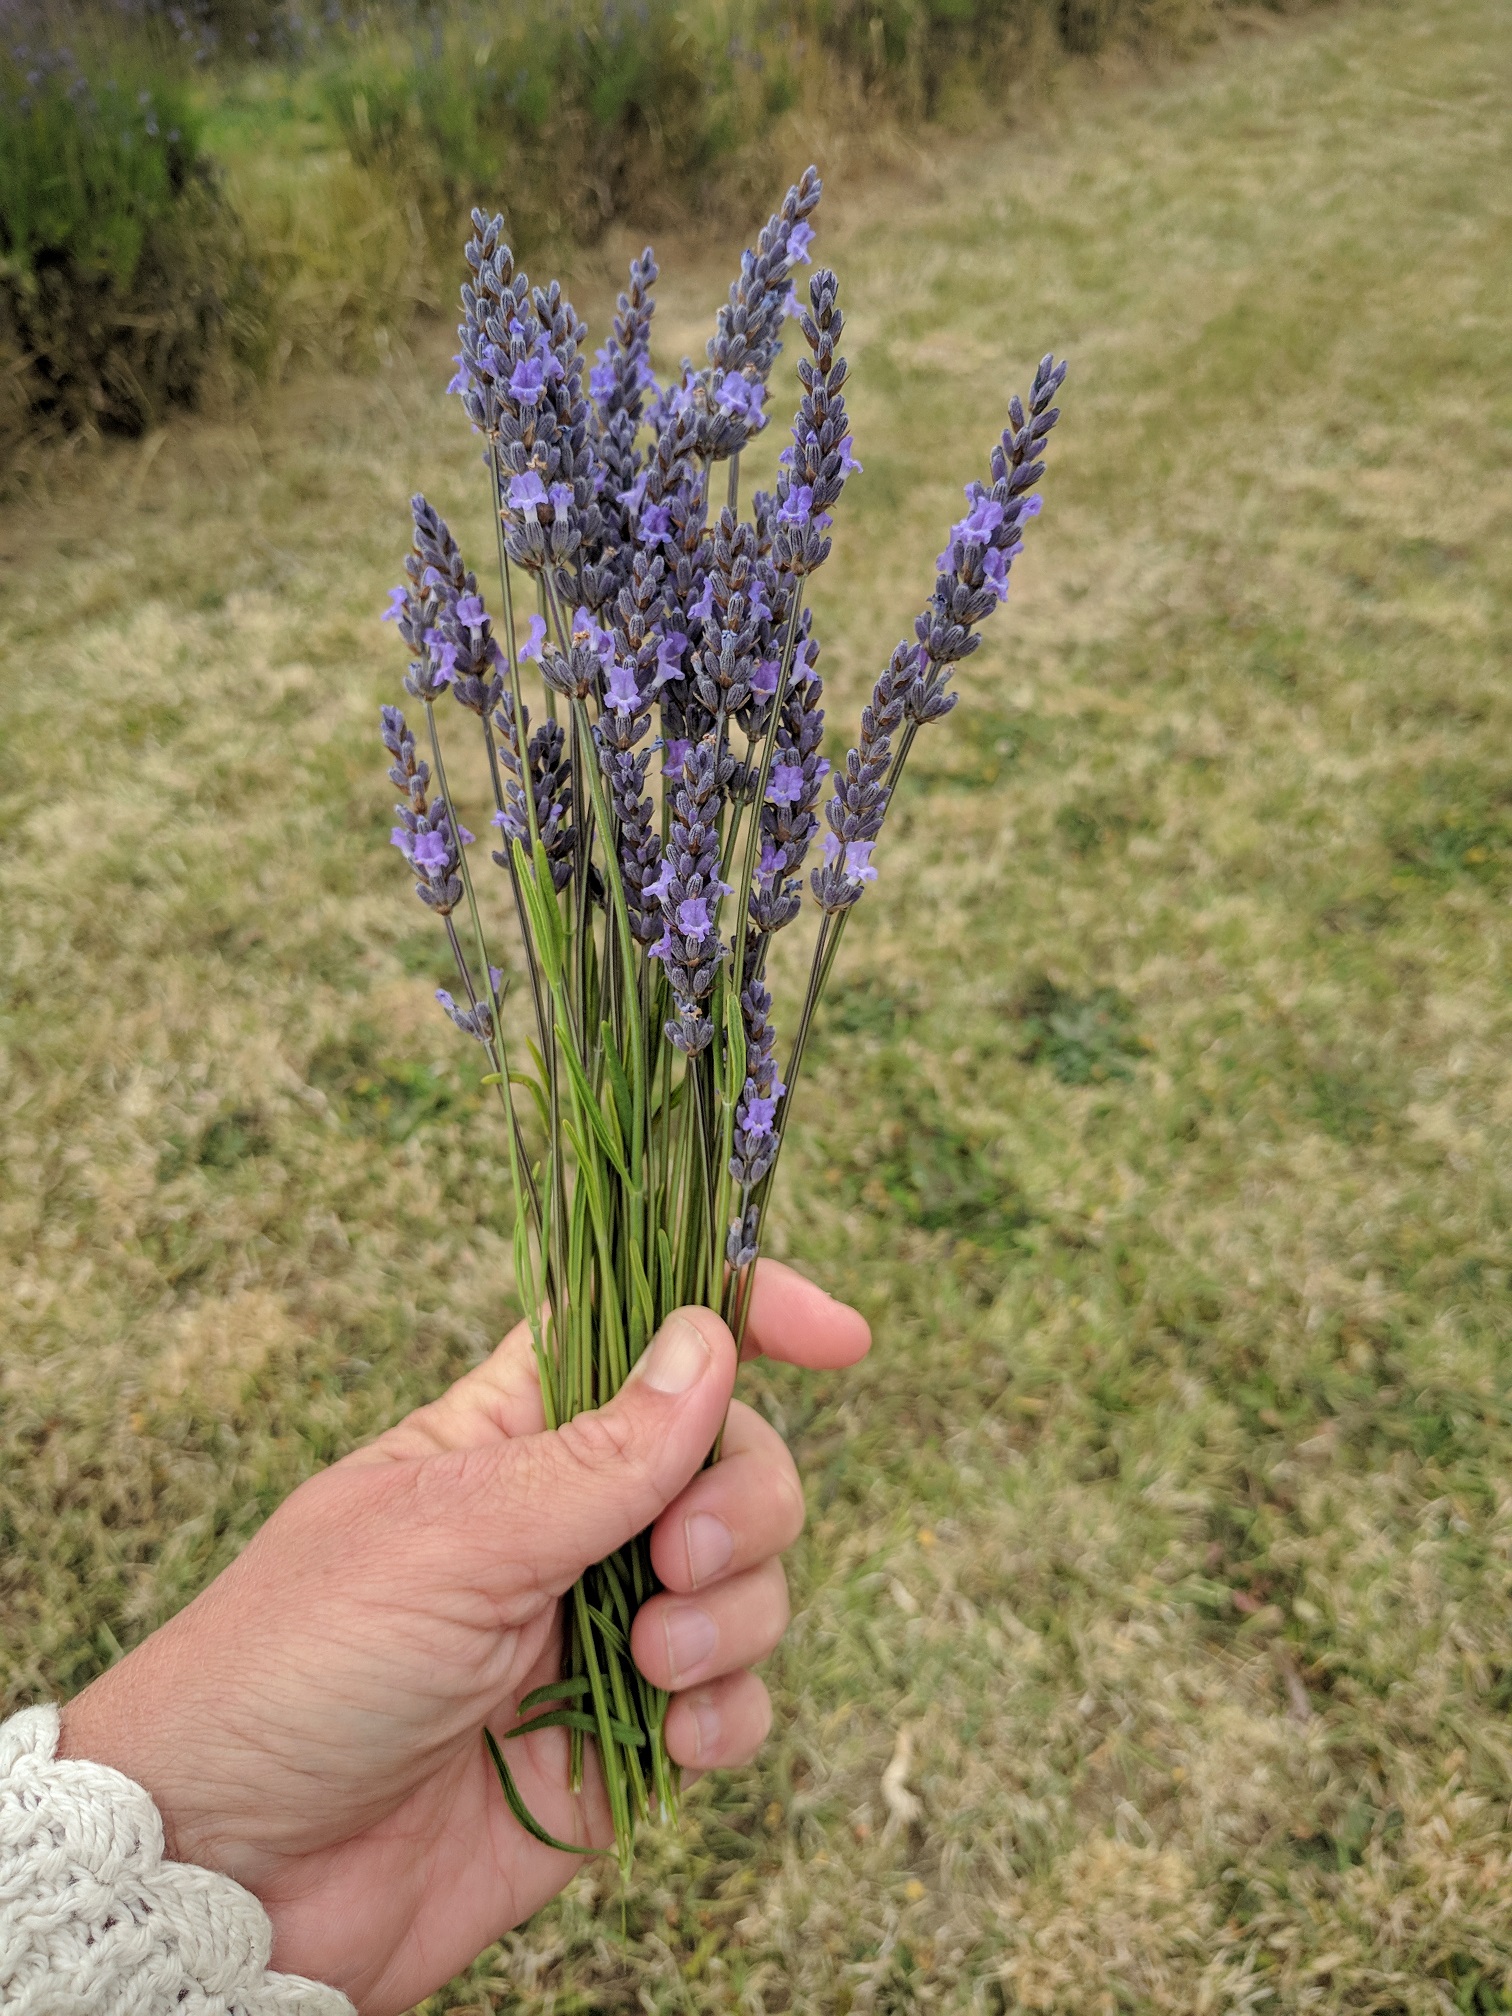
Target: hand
(312, 1723)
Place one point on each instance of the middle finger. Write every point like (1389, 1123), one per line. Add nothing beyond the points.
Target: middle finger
(678, 1641)
(736, 1514)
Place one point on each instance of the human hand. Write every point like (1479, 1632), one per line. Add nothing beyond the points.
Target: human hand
(311, 1724)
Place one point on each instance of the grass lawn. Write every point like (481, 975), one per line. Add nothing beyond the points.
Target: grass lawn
(1160, 1122)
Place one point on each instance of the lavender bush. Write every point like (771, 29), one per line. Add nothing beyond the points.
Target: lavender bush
(656, 802)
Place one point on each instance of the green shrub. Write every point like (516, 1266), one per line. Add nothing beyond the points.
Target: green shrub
(568, 111)
(120, 263)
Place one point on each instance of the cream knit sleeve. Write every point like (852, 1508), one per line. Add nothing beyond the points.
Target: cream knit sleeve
(95, 1922)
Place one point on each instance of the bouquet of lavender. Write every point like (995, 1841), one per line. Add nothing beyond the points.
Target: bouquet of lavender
(641, 1103)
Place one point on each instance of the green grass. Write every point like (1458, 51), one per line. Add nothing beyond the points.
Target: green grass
(1160, 1123)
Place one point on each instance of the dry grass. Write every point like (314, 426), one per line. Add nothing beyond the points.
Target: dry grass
(1161, 1123)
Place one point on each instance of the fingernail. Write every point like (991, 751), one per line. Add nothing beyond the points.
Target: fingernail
(692, 1635)
(677, 1359)
(711, 1546)
(706, 1720)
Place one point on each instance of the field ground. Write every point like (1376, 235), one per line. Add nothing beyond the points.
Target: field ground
(1161, 1122)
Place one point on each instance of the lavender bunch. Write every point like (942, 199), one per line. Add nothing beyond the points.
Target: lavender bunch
(656, 825)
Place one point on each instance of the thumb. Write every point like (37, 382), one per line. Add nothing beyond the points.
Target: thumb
(578, 1492)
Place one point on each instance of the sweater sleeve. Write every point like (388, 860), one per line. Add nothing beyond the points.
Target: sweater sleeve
(94, 1921)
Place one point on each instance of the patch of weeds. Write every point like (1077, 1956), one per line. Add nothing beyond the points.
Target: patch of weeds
(1085, 1039)
(1347, 1102)
(978, 751)
(419, 954)
(1098, 819)
(223, 1143)
(938, 1176)
(1463, 829)
(863, 1007)
(390, 1097)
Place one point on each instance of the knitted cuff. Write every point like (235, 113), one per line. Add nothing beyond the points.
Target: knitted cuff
(94, 1921)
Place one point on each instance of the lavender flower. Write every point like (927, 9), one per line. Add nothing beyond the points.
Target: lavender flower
(788, 818)
(755, 1144)
(687, 892)
(816, 466)
(913, 689)
(425, 835)
(550, 771)
(748, 334)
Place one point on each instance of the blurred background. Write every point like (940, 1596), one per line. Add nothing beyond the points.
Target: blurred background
(1152, 1647)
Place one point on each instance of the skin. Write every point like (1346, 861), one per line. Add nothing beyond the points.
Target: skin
(311, 1724)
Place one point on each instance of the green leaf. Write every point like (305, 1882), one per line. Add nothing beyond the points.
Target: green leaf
(592, 1111)
(569, 1688)
(623, 1099)
(644, 1310)
(521, 1811)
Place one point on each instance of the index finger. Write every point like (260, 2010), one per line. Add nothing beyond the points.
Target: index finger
(799, 1324)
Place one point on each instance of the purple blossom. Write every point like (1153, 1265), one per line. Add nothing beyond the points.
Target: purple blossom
(655, 523)
(526, 490)
(561, 499)
(740, 397)
(463, 378)
(669, 652)
(757, 1114)
(535, 640)
(703, 608)
(398, 599)
(620, 691)
(798, 505)
(527, 381)
(675, 756)
(785, 785)
(849, 466)
(858, 866)
(799, 240)
(764, 678)
(430, 852)
(469, 610)
(693, 918)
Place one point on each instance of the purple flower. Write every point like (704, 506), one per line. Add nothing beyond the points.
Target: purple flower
(791, 305)
(447, 1002)
(462, 382)
(704, 606)
(601, 379)
(527, 381)
(535, 640)
(849, 466)
(669, 651)
(981, 521)
(798, 506)
(398, 598)
(764, 678)
(740, 397)
(785, 785)
(803, 662)
(693, 918)
(858, 866)
(757, 607)
(444, 655)
(470, 611)
(757, 1115)
(675, 755)
(621, 692)
(562, 500)
(404, 840)
(655, 523)
(429, 852)
(586, 631)
(799, 240)
(526, 490)
(995, 571)
(661, 887)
